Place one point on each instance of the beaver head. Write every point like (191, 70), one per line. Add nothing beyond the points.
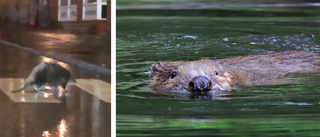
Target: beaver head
(193, 76)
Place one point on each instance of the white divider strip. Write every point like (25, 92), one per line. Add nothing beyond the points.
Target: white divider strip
(97, 88)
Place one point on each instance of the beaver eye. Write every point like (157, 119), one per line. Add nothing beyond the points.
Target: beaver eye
(216, 73)
(173, 74)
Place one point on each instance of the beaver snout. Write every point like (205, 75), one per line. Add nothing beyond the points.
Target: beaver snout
(200, 84)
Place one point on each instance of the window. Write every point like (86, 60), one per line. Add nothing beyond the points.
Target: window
(91, 1)
(64, 3)
(67, 10)
(73, 2)
(94, 9)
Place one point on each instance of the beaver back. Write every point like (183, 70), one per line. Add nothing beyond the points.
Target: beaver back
(227, 74)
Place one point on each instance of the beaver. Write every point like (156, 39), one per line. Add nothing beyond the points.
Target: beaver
(48, 73)
(227, 74)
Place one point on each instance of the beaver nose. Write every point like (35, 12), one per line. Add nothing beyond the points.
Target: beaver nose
(200, 84)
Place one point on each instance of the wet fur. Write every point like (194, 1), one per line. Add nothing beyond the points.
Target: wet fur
(50, 73)
(234, 72)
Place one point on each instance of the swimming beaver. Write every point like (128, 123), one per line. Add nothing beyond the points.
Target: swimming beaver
(47, 73)
(226, 74)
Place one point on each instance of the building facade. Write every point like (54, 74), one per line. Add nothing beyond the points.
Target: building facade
(82, 15)
(92, 16)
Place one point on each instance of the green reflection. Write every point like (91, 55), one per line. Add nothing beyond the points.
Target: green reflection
(295, 125)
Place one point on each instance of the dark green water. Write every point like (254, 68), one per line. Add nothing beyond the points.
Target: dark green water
(270, 110)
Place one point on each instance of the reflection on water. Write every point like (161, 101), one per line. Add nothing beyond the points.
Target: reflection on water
(46, 134)
(276, 109)
(65, 37)
(62, 128)
(72, 117)
(46, 95)
(57, 39)
(66, 45)
(213, 126)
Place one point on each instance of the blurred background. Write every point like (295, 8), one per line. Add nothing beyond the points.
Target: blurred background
(74, 33)
(149, 31)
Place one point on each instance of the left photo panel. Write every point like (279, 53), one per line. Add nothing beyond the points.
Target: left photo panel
(55, 75)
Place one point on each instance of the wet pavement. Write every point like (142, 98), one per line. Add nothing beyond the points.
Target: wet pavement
(85, 108)
(94, 49)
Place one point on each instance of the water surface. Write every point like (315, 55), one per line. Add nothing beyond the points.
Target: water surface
(280, 109)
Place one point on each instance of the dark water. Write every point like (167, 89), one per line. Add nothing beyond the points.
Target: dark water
(290, 109)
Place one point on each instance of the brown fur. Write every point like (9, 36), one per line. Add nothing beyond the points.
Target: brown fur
(231, 72)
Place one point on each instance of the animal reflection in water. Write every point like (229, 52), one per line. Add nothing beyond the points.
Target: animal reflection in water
(211, 78)
(48, 76)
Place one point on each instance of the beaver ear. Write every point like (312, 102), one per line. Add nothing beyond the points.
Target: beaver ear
(154, 69)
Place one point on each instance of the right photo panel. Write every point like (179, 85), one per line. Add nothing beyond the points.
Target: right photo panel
(217, 68)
